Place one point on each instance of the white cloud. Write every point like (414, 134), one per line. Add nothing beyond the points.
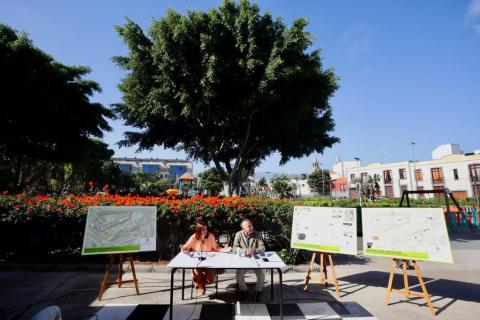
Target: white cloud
(473, 9)
(472, 15)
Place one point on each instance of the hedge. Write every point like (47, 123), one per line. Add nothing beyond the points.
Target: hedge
(44, 226)
(51, 225)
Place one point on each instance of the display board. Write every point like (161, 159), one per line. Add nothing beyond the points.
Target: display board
(323, 229)
(406, 233)
(112, 229)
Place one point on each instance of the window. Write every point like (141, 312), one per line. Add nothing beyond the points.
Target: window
(437, 175)
(403, 188)
(419, 175)
(475, 172)
(352, 176)
(402, 173)
(150, 168)
(389, 191)
(124, 167)
(455, 174)
(387, 176)
(364, 176)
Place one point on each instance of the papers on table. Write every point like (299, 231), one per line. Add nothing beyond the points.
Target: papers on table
(224, 260)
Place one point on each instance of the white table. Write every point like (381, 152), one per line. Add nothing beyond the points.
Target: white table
(220, 260)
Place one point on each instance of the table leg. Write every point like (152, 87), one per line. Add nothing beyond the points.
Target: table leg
(281, 292)
(183, 284)
(271, 284)
(171, 292)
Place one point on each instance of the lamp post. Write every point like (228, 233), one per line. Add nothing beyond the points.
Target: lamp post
(414, 168)
(359, 184)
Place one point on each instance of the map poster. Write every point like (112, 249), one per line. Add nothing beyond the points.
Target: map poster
(406, 233)
(321, 229)
(112, 229)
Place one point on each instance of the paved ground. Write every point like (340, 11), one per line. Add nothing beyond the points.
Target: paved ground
(455, 288)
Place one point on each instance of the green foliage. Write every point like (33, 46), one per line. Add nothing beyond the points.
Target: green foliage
(319, 180)
(47, 117)
(370, 187)
(288, 255)
(148, 183)
(282, 187)
(212, 181)
(56, 223)
(230, 85)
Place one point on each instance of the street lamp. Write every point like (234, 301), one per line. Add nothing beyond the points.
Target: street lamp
(414, 169)
(359, 184)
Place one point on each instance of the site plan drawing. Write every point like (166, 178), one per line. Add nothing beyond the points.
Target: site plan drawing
(406, 233)
(321, 229)
(111, 229)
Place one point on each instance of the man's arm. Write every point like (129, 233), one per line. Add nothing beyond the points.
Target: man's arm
(236, 242)
(260, 243)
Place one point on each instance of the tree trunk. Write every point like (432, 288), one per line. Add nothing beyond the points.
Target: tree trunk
(18, 174)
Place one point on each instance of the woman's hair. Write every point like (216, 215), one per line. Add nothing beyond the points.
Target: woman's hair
(199, 229)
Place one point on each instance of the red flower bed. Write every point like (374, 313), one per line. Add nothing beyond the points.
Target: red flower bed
(61, 219)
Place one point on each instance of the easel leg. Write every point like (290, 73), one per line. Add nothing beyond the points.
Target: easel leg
(406, 291)
(390, 281)
(335, 282)
(323, 270)
(120, 270)
(424, 289)
(135, 281)
(310, 269)
(106, 278)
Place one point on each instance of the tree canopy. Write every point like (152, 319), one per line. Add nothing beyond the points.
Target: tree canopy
(229, 86)
(282, 186)
(46, 110)
(212, 181)
(319, 181)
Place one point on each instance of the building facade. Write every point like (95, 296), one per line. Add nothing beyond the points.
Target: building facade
(449, 168)
(171, 169)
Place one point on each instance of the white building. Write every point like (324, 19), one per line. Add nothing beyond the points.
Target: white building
(339, 185)
(301, 187)
(300, 182)
(171, 169)
(449, 168)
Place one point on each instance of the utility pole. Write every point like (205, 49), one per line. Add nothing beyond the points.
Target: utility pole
(414, 168)
(359, 183)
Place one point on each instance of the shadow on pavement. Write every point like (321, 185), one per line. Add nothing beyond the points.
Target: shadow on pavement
(439, 289)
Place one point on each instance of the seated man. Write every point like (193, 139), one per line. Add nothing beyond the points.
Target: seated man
(249, 242)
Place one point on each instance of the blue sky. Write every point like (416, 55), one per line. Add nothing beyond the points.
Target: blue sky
(409, 70)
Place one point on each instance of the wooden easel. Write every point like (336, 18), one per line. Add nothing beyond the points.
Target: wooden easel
(323, 271)
(106, 280)
(407, 293)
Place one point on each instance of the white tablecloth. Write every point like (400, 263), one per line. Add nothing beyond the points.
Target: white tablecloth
(221, 260)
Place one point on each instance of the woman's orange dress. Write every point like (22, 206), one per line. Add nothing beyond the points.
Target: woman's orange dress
(201, 277)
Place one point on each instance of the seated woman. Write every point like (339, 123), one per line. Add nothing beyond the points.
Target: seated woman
(203, 241)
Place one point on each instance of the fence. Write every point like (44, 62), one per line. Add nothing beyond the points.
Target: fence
(464, 220)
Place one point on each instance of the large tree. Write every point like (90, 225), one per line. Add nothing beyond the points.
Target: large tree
(212, 181)
(46, 112)
(319, 181)
(229, 86)
(282, 186)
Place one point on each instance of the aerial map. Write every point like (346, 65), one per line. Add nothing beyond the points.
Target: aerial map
(112, 229)
(406, 233)
(323, 229)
